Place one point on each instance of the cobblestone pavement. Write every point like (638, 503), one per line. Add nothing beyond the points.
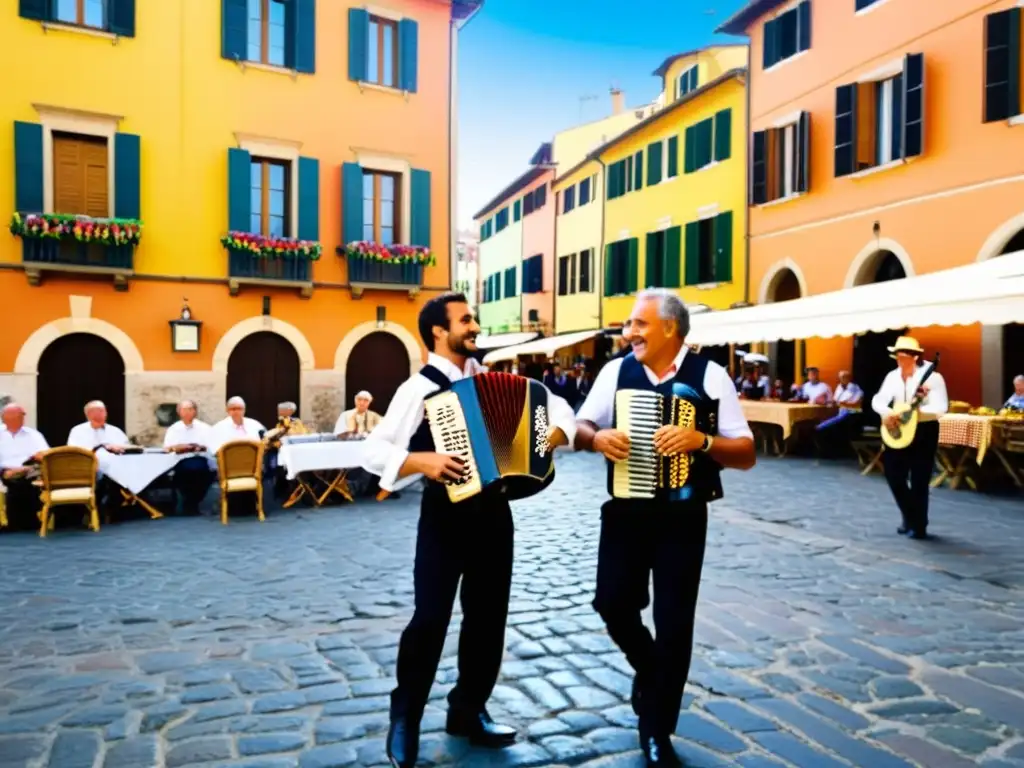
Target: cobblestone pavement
(824, 640)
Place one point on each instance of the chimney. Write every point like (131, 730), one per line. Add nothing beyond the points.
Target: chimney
(618, 102)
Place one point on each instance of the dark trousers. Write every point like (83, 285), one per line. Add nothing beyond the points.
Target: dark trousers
(192, 479)
(22, 504)
(914, 463)
(639, 538)
(471, 541)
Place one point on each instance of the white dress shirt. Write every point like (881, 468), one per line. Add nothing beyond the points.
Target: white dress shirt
(812, 390)
(88, 437)
(180, 433)
(387, 447)
(18, 447)
(895, 390)
(225, 430)
(849, 394)
(599, 407)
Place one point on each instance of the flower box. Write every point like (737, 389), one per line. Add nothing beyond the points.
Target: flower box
(244, 264)
(262, 247)
(384, 273)
(58, 227)
(55, 252)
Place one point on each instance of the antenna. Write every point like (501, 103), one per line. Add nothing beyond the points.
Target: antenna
(585, 98)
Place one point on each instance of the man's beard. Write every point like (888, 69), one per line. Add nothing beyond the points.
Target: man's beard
(458, 345)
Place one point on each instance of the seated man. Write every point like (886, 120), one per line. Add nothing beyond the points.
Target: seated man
(18, 445)
(95, 433)
(236, 426)
(357, 423)
(1016, 401)
(835, 433)
(814, 390)
(287, 425)
(192, 476)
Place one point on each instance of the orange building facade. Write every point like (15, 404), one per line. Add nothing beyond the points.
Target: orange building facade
(316, 125)
(887, 142)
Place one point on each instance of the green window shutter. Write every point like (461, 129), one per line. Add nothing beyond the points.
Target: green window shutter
(612, 179)
(609, 271)
(351, 203)
(309, 198)
(693, 79)
(517, 210)
(653, 163)
(638, 170)
(121, 17)
(633, 281)
(127, 181)
(704, 131)
(651, 257)
(300, 44)
(358, 44)
(670, 270)
(37, 10)
(28, 167)
(723, 247)
(673, 157)
(723, 134)
(408, 54)
(234, 31)
(913, 105)
(239, 190)
(692, 257)
(690, 149)
(419, 184)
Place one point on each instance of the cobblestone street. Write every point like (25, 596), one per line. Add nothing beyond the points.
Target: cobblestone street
(823, 639)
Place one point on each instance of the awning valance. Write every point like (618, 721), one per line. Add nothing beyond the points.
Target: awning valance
(546, 346)
(990, 293)
(505, 339)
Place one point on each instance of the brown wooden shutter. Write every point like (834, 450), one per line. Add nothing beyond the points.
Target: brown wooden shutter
(80, 176)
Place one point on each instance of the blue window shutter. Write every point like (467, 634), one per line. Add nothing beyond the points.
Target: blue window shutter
(913, 104)
(351, 203)
(408, 54)
(803, 148)
(239, 190)
(234, 30)
(419, 184)
(121, 17)
(358, 44)
(309, 198)
(804, 17)
(770, 44)
(37, 10)
(845, 148)
(302, 35)
(127, 176)
(28, 167)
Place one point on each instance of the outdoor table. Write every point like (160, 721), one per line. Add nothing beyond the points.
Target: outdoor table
(328, 462)
(785, 415)
(135, 472)
(962, 436)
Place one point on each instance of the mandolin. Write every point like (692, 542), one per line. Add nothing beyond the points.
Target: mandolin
(903, 433)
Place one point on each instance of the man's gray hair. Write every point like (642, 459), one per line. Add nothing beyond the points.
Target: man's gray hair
(1018, 377)
(670, 307)
(188, 404)
(236, 402)
(94, 404)
(287, 405)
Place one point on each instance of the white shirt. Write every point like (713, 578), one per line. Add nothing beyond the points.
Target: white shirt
(18, 447)
(387, 447)
(599, 407)
(225, 430)
(848, 394)
(180, 433)
(85, 436)
(812, 390)
(896, 390)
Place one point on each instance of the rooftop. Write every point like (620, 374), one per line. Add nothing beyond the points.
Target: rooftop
(738, 23)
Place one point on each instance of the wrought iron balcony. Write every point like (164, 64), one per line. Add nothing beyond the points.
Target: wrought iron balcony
(68, 255)
(247, 267)
(366, 274)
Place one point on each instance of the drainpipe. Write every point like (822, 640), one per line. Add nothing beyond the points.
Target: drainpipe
(554, 265)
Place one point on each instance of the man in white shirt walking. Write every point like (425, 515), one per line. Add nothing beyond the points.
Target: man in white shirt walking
(916, 461)
(18, 445)
(193, 475)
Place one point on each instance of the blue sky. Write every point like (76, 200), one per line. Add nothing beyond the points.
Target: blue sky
(525, 64)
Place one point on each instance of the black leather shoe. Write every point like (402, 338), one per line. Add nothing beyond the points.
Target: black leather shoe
(403, 744)
(903, 530)
(659, 753)
(480, 729)
(919, 534)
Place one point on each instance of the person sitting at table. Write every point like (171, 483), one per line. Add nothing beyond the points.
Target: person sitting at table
(236, 426)
(835, 433)
(193, 475)
(95, 433)
(755, 384)
(778, 391)
(19, 446)
(1016, 401)
(358, 422)
(814, 390)
(288, 424)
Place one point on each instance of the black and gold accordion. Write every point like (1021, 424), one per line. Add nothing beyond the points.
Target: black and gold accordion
(645, 474)
(498, 424)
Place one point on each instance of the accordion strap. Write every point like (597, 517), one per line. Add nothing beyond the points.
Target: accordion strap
(435, 376)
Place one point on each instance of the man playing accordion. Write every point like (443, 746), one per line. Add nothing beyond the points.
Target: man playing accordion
(667, 420)
(469, 540)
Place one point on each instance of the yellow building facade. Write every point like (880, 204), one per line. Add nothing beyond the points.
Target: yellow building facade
(578, 237)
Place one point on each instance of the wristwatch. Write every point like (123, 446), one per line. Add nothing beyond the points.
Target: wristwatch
(708, 442)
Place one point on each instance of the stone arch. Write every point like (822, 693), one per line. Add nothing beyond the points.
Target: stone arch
(862, 268)
(993, 337)
(32, 350)
(775, 274)
(252, 325)
(353, 337)
(995, 244)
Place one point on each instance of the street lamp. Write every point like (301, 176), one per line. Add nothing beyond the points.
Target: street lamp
(185, 331)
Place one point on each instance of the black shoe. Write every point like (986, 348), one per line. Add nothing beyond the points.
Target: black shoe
(634, 699)
(903, 530)
(659, 753)
(403, 744)
(480, 729)
(919, 534)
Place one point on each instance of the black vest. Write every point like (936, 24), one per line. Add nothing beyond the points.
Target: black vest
(705, 472)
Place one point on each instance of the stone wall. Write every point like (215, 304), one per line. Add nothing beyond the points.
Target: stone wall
(145, 392)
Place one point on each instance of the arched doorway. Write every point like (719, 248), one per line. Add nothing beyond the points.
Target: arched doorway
(1013, 334)
(785, 286)
(73, 370)
(378, 363)
(263, 370)
(871, 362)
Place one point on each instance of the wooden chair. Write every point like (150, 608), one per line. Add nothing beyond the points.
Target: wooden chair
(240, 468)
(868, 447)
(3, 506)
(68, 476)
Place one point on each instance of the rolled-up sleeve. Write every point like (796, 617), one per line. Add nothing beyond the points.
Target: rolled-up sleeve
(387, 447)
(599, 407)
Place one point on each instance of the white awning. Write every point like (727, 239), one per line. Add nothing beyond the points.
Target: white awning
(546, 346)
(504, 339)
(990, 293)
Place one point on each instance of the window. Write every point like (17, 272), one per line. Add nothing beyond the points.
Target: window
(584, 193)
(80, 177)
(880, 122)
(781, 163)
(510, 282)
(383, 52)
(709, 250)
(381, 206)
(568, 199)
(787, 34)
(663, 257)
(85, 13)
(1002, 65)
(533, 274)
(540, 196)
(708, 141)
(266, 32)
(586, 270)
(687, 82)
(672, 157)
(527, 204)
(501, 219)
(563, 276)
(620, 178)
(654, 161)
(862, 4)
(620, 267)
(278, 33)
(517, 210)
(270, 194)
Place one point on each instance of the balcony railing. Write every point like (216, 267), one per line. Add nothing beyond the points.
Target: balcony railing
(244, 265)
(40, 255)
(380, 275)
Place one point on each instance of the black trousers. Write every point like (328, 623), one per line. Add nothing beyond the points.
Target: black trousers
(192, 479)
(471, 541)
(22, 504)
(638, 539)
(914, 463)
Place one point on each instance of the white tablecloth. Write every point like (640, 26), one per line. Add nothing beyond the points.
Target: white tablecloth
(314, 457)
(136, 472)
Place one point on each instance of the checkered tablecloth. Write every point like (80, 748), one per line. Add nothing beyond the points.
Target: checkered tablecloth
(966, 430)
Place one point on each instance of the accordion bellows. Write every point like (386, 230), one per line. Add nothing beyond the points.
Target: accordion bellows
(639, 414)
(497, 423)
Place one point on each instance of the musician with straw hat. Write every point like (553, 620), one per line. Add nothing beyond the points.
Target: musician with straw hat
(908, 470)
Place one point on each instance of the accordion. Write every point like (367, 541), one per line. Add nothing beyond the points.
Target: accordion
(645, 474)
(498, 424)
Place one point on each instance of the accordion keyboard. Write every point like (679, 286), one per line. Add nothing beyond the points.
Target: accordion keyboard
(451, 435)
(639, 414)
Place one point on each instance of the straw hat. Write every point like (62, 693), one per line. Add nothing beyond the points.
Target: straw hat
(906, 344)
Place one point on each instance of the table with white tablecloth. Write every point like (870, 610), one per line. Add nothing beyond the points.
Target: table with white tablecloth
(328, 461)
(135, 472)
